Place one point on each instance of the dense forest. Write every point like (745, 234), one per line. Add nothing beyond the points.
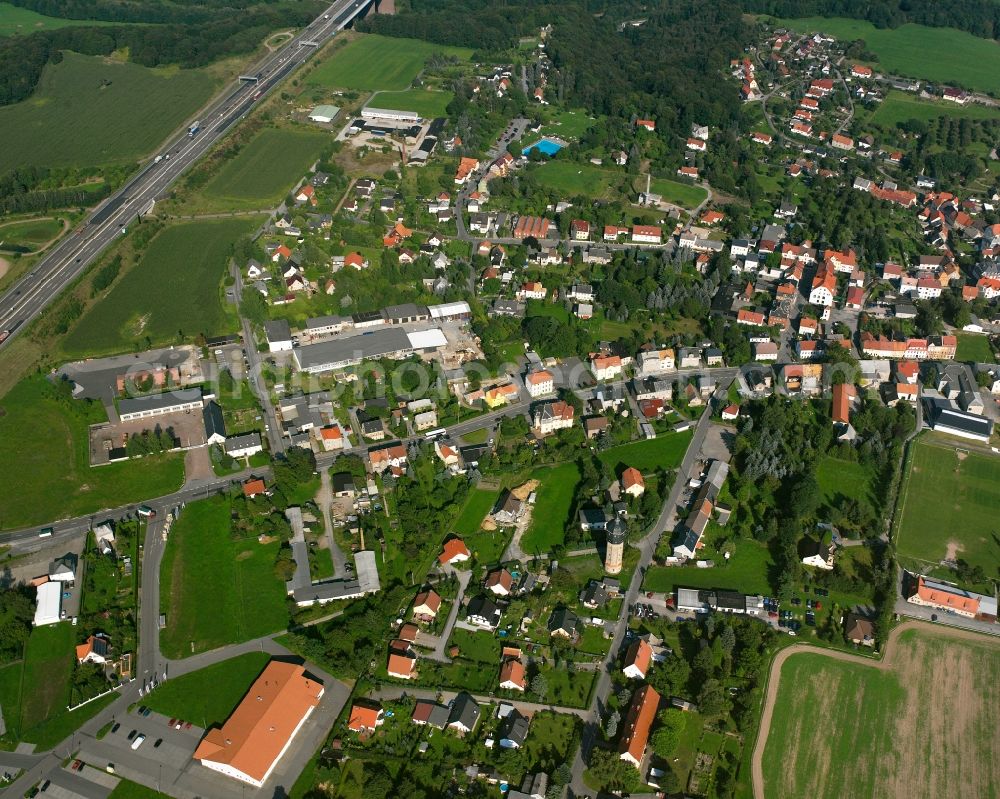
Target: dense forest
(978, 17)
(195, 36)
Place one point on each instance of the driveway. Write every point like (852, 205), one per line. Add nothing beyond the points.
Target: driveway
(440, 642)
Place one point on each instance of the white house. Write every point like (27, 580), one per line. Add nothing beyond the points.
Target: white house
(539, 384)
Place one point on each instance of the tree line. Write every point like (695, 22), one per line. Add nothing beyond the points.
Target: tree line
(225, 32)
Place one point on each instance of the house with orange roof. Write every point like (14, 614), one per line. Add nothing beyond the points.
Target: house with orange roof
(465, 168)
(551, 416)
(331, 437)
(633, 483)
(261, 728)
(824, 286)
(253, 487)
(540, 383)
(356, 260)
(500, 582)
(96, 649)
(387, 457)
(647, 234)
(307, 194)
(860, 71)
(712, 217)
(500, 395)
(454, 551)
(426, 605)
(931, 593)
(688, 172)
(606, 367)
(512, 675)
(532, 290)
(365, 717)
(750, 318)
(844, 395)
(762, 138)
(646, 124)
(637, 660)
(402, 666)
(637, 724)
(698, 145)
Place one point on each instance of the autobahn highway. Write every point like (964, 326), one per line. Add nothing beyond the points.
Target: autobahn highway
(26, 299)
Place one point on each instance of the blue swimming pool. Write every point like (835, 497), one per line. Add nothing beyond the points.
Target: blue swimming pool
(547, 146)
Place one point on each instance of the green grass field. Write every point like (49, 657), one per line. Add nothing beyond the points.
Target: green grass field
(425, 102)
(15, 20)
(476, 507)
(922, 728)
(899, 106)
(686, 195)
(53, 478)
(949, 508)
(974, 347)
(567, 124)
(48, 664)
(375, 62)
(663, 452)
(133, 790)
(116, 111)
(174, 288)
(905, 50)
(746, 571)
(572, 179)
(839, 480)
(29, 233)
(201, 554)
(207, 696)
(552, 507)
(265, 170)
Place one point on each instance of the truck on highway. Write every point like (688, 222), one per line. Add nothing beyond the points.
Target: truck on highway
(194, 128)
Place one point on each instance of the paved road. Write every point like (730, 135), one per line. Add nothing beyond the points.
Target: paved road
(255, 374)
(647, 548)
(26, 299)
(442, 640)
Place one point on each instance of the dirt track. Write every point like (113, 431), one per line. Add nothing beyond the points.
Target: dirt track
(886, 664)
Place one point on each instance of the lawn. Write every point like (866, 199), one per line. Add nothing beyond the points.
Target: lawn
(686, 195)
(207, 696)
(200, 554)
(174, 289)
(480, 436)
(265, 170)
(923, 728)
(899, 106)
(973, 347)
(14, 20)
(476, 507)
(568, 124)
(133, 790)
(553, 504)
(29, 233)
(663, 452)
(746, 571)
(427, 103)
(481, 646)
(53, 478)
(117, 112)
(48, 664)
(573, 179)
(905, 50)
(375, 62)
(839, 480)
(949, 508)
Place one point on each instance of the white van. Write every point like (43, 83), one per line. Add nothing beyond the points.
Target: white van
(138, 741)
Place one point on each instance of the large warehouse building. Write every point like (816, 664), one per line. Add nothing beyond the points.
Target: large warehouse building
(254, 738)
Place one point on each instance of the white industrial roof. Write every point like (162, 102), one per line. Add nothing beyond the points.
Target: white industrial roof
(49, 597)
(426, 339)
(449, 309)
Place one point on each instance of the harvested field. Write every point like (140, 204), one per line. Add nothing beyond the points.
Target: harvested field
(920, 723)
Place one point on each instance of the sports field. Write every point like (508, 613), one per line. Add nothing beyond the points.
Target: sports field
(251, 598)
(919, 725)
(428, 104)
(950, 502)
(917, 51)
(686, 195)
(666, 451)
(174, 289)
(14, 20)
(899, 106)
(552, 507)
(92, 110)
(47, 439)
(265, 170)
(372, 62)
(573, 179)
(209, 695)
(30, 234)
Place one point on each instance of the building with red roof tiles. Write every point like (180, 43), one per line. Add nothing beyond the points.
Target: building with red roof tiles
(637, 660)
(637, 724)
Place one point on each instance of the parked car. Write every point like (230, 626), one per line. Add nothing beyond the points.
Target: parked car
(172, 722)
(796, 601)
(157, 742)
(116, 727)
(131, 735)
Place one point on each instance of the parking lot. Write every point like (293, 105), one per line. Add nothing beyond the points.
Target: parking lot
(188, 428)
(163, 744)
